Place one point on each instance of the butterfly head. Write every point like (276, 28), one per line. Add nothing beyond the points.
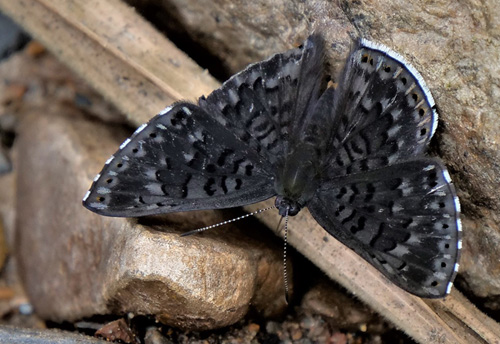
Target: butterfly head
(287, 206)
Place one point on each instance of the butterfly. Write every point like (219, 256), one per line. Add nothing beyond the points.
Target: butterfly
(354, 155)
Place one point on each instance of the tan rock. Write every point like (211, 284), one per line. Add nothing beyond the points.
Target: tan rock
(75, 263)
(338, 309)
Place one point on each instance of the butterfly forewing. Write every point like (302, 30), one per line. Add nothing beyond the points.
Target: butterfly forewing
(181, 160)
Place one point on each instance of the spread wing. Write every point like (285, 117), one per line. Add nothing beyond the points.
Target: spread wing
(181, 160)
(379, 195)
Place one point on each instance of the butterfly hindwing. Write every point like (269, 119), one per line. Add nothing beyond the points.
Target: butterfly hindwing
(181, 160)
(403, 219)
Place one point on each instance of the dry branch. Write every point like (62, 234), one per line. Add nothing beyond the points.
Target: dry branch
(116, 51)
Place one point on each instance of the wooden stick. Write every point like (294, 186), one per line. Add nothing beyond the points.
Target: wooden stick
(116, 51)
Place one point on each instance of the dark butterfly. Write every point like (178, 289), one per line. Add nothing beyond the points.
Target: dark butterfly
(353, 155)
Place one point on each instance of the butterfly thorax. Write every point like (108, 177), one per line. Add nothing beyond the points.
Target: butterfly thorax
(298, 180)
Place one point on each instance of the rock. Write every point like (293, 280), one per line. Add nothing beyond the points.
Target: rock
(76, 264)
(117, 330)
(154, 336)
(239, 32)
(9, 334)
(338, 309)
(477, 266)
(452, 46)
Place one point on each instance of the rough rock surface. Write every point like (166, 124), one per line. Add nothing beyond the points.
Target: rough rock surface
(75, 264)
(454, 45)
(17, 335)
(338, 309)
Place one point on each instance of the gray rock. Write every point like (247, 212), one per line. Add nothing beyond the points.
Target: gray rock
(10, 334)
(75, 264)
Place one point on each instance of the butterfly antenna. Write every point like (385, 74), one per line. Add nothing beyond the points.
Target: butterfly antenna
(199, 230)
(285, 272)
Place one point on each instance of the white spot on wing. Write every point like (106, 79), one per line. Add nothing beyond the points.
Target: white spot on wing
(103, 191)
(394, 130)
(186, 110)
(125, 143)
(429, 168)
(155, 189)
(446, 176)
(272, 82)
(165, 110)
(98, 205)
(457, 203)
(86, 196)
(97, 177)
(110, 159)
(151, 174)
(440, 275)
(161, 126)
(436, 189)
(141, 128)
(199, 135)
(448, 288)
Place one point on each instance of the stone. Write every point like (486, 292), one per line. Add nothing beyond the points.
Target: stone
(338, 309)
(10, 334)
(117, 330)
(239, 32)
(453, 45)
(75, 264)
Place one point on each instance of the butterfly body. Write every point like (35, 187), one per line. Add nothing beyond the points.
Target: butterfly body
(353, 155)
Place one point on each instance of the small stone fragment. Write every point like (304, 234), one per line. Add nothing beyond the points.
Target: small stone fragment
(153, 336)
(340, 310)
(117, 330)
(253, 327)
